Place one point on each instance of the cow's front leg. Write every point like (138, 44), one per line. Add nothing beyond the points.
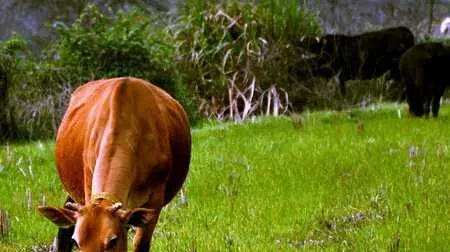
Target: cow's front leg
(436, 102)
(426, 107)
(427, 95)
(342, 78)
(143, 237)
(63, 242)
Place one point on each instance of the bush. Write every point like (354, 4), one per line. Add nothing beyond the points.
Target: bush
(130, 43)
(12, 54)
(126, 44)
(27, 93)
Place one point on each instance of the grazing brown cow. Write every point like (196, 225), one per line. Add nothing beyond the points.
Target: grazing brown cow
(122, 153)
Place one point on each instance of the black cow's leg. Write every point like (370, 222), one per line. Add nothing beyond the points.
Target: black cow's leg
(342, 86)
(417, 95)
(427, 95)
(426, 106)
(436, 102)
(143, 237)
(64, 239)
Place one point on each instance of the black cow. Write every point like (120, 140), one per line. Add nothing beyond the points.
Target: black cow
(363, 56)
(424, 71)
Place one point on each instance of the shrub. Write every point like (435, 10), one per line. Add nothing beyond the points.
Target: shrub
(129, 43)
(12, 53)
(100, 46)
(28, 93)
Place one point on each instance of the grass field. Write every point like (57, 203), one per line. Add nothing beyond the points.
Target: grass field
(355, 181)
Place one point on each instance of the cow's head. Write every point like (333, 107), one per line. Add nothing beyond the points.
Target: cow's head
(321, 46)
(313, 44)
(100, 225)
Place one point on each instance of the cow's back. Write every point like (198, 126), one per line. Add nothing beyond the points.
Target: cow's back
(148, 125)
(72, 133)
(418, 56)
(381, 50)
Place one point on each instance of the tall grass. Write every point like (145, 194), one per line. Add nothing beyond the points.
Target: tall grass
(359, 180)
(224, 43)
(28, 179)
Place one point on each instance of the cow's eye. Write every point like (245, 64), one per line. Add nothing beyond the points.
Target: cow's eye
(112, 243)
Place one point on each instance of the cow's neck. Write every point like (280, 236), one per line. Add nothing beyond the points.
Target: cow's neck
(105, 196)
(113, 173)
(114, 170)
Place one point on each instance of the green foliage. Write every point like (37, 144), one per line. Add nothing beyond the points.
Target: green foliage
(126, 44)
(11, 47)
(285, 20)
(30, 92)
(13, 54)
(354, 181)
(132, 43)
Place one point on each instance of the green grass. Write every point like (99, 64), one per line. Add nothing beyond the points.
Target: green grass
(272, 185)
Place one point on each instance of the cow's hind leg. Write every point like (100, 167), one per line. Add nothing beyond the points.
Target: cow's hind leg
(63, 241)
(143, 237)
(342, 78)
(426, 106)
(436, 102)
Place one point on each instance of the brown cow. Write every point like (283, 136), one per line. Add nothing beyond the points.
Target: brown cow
(122, 153)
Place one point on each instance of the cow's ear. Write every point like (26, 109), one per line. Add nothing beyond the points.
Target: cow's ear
(137, 217)
(62, 217)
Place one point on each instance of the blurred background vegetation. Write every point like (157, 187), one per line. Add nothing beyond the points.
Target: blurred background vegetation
(195, 49)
